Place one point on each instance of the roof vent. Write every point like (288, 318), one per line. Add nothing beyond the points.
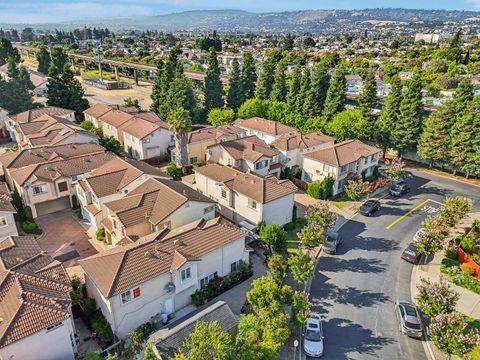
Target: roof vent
(147, 254)
(177, 242)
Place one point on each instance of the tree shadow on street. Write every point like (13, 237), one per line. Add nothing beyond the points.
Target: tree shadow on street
(351, 338)
(357, 265)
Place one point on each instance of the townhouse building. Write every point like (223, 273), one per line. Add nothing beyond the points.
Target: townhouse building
(267, 130)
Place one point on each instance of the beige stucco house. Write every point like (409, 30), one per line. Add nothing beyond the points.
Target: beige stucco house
(341, 161)
(267, 130)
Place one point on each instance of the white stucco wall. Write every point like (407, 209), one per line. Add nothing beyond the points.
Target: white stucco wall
(189, 212)
(10, 229)
(279, 210)
(154, 145)
(55, 344)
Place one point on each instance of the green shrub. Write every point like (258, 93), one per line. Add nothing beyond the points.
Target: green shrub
(31, 228)
(447, 263)
(75, 202)
(174, 172)
(261, 224)
(469, 243)
(86, 125)
(314, 189)
(287, 174)
(140, 334)
(100, 234)
(460, 278)
(321, 189)
(290, 226)
(102, 328)
(199, 297)
(78, 213)
(93, 356)
(301, 222)
(451, 254)
(197, 164)
(27, 214)
(467, 269)
(89, 306)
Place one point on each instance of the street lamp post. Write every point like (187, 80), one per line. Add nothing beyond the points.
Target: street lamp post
(295, 345)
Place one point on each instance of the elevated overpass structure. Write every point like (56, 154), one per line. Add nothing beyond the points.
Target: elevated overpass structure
(29, 51)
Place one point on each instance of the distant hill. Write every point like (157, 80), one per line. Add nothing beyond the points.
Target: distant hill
(315, 21)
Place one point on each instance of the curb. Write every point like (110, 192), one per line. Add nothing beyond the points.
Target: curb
(426, 344)
(463, 181)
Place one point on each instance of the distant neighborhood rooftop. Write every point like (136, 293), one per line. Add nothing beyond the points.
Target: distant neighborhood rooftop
(270, 127)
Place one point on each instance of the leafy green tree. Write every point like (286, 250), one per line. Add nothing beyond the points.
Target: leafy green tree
(316, 95)
(301, 267)
(65, 91)
(436, 298)
(300, 308)
(149, 354)
(249, 77)
(265, 80)
(389, 116)
(44, 60)
(320, 215)
(12, 69)
(409, 123)
(59, 60)
(221, 116)
(266, 295)
(310, 236)
(279, 89)
(252, 108)
(274, 237)
(213, 84)
(162, 97)
(349, 124)
(24, 78)
(111, 144)
(452, 335)
(335, 100)
(180, 124)
(129, 102)
(277, 267)
(434, 143)
(206, 341)
(432, 238)
(235, 92)
(294, 88)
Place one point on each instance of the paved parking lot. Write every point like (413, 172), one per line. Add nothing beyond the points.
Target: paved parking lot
(355, 289)
(64, 238)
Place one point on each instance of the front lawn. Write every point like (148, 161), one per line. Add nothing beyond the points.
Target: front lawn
(292, 229)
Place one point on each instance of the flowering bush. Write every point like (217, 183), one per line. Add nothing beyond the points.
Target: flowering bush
(454, 210)
(395, 168)
(320, 215)
(450, 333)
(462, 279)
(355, 189)
(432, 238)
(436, 298)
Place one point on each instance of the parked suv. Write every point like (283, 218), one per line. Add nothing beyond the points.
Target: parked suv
(369, 207)
(332, 241)
(399, 188)
(408, 318)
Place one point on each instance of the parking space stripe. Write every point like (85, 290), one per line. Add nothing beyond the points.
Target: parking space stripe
(408, 213)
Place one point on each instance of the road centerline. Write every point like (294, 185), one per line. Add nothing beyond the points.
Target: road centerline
(396, 221)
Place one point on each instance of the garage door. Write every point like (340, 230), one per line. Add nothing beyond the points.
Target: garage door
(52, 206)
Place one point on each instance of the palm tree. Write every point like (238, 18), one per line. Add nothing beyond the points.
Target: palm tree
(180, 124)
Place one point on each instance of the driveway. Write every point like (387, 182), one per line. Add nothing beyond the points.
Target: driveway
(355, 289)
(64, 238)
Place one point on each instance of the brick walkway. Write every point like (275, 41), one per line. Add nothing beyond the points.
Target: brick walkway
(63, 234)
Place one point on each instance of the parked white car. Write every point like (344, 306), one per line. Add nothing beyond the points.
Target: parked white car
(313, 336)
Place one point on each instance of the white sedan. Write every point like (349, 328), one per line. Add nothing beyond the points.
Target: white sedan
(313, 337)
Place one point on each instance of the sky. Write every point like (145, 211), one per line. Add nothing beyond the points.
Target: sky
(45, 11)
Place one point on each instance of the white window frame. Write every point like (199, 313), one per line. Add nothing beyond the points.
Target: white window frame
(186, 275)
(43, 190)
(206, 280)
(224, 193)
(131, 297)
(4, 220)
(252, 204)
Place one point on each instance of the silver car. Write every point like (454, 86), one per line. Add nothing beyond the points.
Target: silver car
(408, 318)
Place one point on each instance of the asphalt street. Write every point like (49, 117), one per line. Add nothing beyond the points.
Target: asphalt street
(355, 289)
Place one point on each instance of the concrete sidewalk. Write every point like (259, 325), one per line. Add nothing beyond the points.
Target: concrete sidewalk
(468, 302)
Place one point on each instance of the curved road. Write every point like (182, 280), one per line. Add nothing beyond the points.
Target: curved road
(355, 289)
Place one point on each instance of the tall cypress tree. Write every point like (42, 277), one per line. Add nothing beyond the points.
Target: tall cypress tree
(181, 95)
(294, 87)
(65, 91)
(234, 96)
(14, 94)
(335, 100)
(279, 90)
(157, 88)
(434, 144)
(59, 59)
(168, 75)
(265, 80)
(316, 95)
(368, 98)
(465, 140)
(388, 118)
(249, 77)
(461, 99)
(304, 89)
(44, 60)
(213, 84)
(409, 125)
